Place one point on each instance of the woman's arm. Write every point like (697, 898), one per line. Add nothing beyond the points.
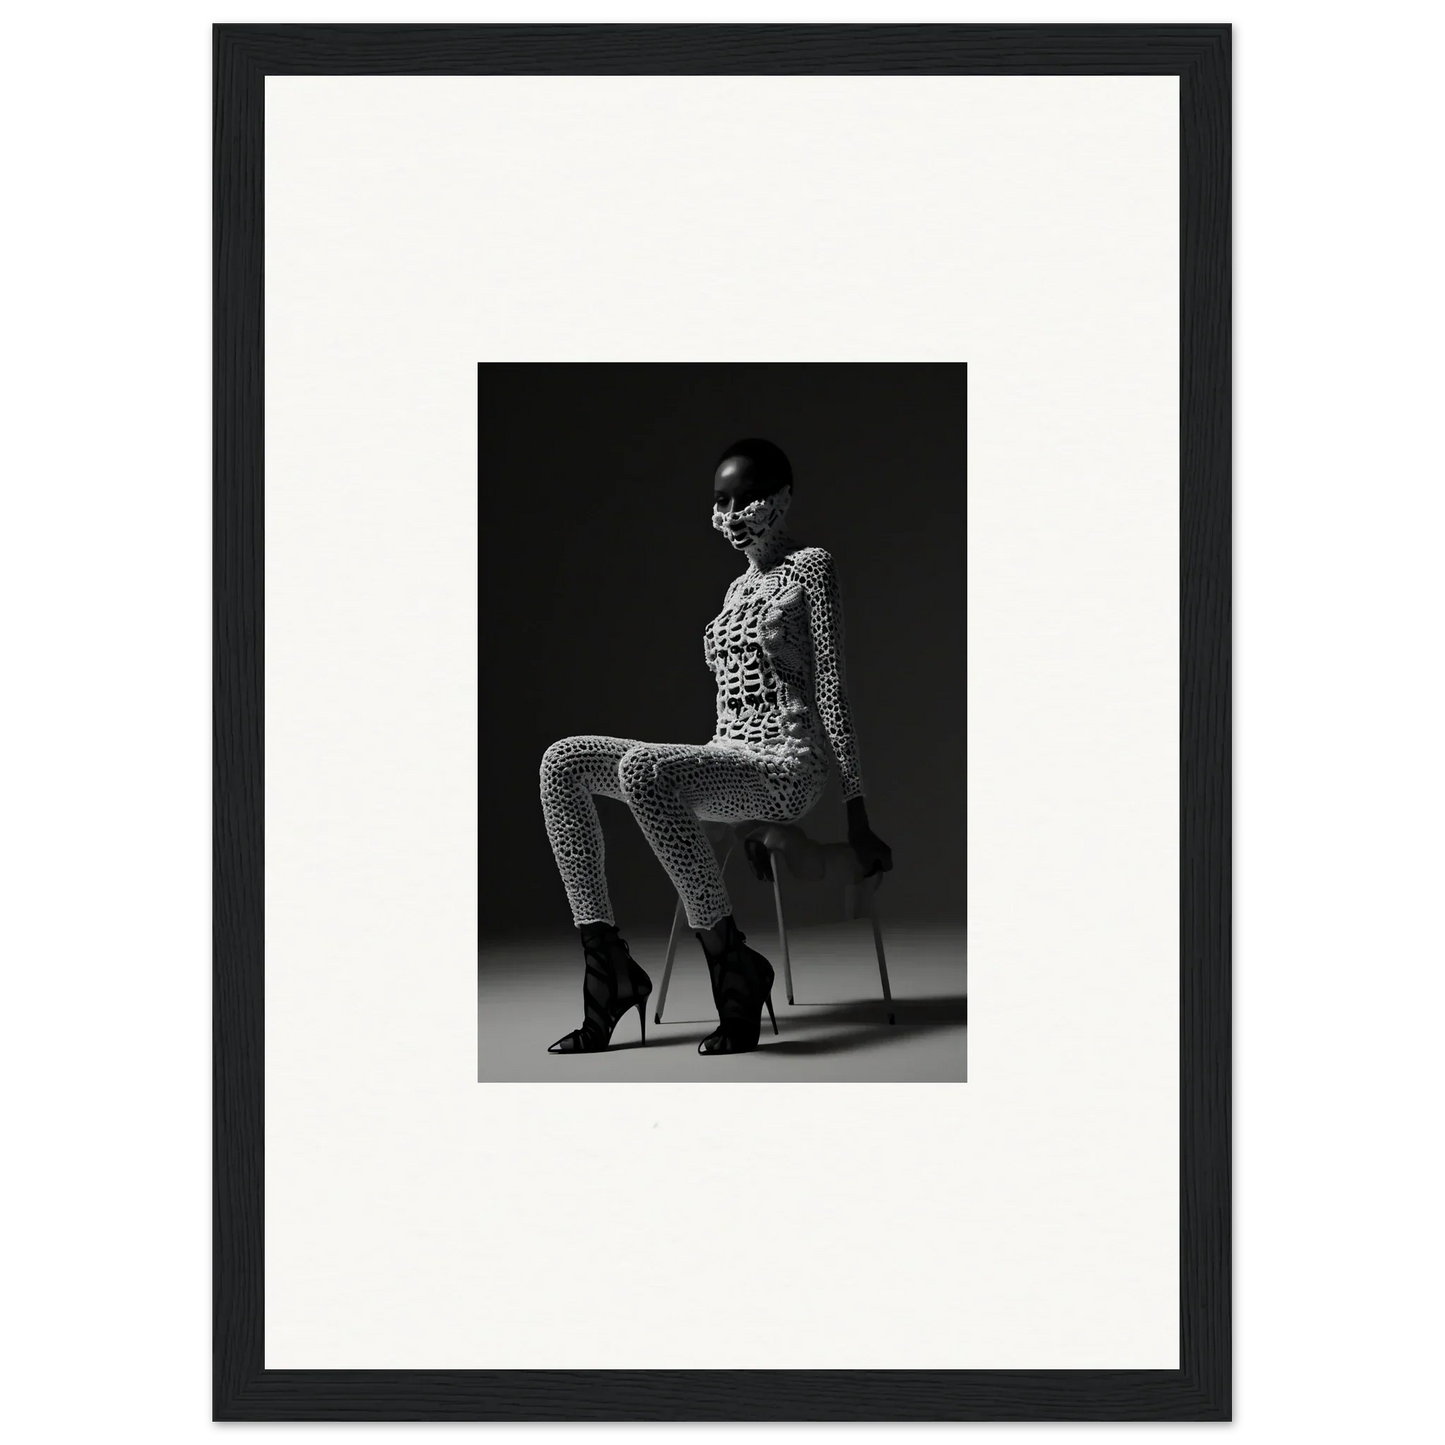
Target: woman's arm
(830, 696)
(830, 693)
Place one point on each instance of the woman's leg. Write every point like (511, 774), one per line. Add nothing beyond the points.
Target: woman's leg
(668, 784)
(573, 769)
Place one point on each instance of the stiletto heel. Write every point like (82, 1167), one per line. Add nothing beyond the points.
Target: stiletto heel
(604, 1001)
(742, 982)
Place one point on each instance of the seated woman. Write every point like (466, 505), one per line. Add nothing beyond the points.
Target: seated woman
(776, 649)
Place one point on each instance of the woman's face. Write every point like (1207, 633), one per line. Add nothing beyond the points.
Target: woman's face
(744, 510)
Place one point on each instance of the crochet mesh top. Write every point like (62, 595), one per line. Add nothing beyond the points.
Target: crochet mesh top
(776, 650)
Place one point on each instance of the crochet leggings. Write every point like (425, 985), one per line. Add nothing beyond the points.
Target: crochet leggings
(670, 787)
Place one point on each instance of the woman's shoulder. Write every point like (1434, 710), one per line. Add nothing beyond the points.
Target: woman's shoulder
(811, 564)
(809, 557)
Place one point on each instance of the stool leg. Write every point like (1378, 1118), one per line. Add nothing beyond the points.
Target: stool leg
(677, 916)
(878, 945)
(782, 927)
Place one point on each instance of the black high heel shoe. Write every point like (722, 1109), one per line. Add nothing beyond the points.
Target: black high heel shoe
(604, 999)
(742, 983)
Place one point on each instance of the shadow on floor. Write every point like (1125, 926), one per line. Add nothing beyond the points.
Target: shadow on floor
(917, 1015)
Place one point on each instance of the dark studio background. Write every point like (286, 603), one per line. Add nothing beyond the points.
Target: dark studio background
(599, 570)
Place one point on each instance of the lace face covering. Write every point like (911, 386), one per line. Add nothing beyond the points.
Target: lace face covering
(747, 526)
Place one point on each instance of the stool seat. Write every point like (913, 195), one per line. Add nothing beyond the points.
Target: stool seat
(807, 859)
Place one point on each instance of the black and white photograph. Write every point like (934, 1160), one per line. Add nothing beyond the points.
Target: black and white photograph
(722, 722)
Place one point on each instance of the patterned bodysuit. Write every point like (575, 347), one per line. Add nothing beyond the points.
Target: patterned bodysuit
(776, 650)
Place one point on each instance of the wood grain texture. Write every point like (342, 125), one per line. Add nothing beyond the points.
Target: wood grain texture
(242, 1389)
(1204, 722)
(238, 714)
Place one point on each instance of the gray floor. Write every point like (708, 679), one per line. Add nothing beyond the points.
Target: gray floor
(530, 993)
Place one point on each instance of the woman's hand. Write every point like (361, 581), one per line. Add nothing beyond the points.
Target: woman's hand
(874, 855)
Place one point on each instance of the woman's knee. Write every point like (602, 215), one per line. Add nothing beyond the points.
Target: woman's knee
(562, 758)
(643, 771)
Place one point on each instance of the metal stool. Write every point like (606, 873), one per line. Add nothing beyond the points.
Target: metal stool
(807, 860)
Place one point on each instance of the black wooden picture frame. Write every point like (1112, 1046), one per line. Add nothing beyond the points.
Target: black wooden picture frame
(243, 1388)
